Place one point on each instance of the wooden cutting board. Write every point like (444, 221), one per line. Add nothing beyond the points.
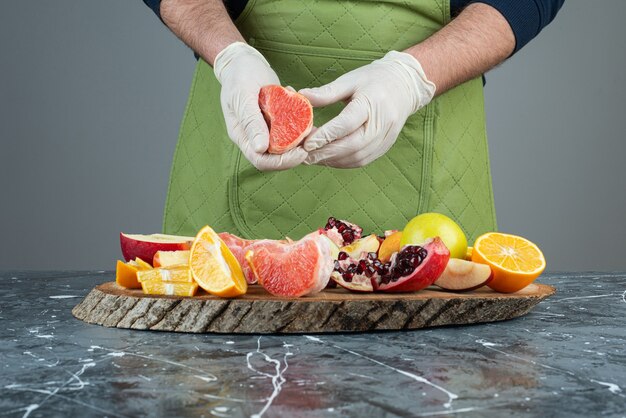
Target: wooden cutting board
(333, 310)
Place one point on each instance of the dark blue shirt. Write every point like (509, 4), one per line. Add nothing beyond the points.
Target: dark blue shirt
(526, 17)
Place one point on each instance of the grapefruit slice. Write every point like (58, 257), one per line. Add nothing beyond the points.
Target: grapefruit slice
(292, 269)
(289, 117)
(214, 267)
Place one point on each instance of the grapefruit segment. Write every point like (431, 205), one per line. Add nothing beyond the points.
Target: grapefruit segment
(289, 117)
(292, 269)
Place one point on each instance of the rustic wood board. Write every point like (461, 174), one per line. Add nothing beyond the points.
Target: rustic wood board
(333, 310)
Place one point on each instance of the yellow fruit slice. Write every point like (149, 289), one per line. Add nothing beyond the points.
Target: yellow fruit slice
(126, 275)
(173, 274)
(468, 254)
(390, 245)
(515, 261)
(171, 258)
(156, 287)
(142, 265)
(214, 267)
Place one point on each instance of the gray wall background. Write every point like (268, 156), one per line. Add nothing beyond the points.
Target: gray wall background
(92, 93)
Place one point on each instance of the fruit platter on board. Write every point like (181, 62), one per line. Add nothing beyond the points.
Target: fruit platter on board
(333, 279)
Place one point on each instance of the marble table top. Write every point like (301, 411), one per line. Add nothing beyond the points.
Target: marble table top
(567, 358)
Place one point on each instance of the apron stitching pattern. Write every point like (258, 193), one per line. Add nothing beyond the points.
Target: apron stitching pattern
(319, 199)
(345, 54)
(347, 190)
(426, 179)
(382, 189)
(325, 26)
(267, 215)
(414, 186)
(289, 27)
(168, 203)
(233, 198)
(366, 31)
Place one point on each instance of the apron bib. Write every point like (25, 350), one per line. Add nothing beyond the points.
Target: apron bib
(439, 162)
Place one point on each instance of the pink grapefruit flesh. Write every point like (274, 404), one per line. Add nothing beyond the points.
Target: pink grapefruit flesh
(292, 269)
(289, 117)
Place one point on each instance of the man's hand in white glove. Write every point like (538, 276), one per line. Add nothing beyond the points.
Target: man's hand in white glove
(242, 71)
(381, 96)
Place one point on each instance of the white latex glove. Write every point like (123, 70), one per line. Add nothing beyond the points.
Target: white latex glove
(242, 71)
(381, 96)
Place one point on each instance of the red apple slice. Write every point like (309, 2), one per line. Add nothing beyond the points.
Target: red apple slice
(145, 246)
(463, 276)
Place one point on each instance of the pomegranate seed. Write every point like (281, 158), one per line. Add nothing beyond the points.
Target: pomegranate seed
(342, 255)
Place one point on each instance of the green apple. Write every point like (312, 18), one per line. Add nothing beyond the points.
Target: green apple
(429, 225)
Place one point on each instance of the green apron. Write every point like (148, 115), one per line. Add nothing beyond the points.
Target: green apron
(439, 162)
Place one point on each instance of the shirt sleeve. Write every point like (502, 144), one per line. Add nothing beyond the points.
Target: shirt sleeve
(526, 17)
(155, 5)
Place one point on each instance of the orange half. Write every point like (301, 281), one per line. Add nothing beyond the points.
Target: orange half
(515, 261)
(214, 267)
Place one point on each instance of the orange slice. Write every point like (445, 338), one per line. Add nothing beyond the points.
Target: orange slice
(156, 287)
(214, 267)
(180, 274)
(390, 245)
(515, 261)
(126, 275)
(142, 265)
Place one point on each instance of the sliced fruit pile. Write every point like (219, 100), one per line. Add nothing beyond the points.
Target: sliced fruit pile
(431, 250)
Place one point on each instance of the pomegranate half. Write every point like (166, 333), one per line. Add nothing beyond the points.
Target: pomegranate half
(414, 267)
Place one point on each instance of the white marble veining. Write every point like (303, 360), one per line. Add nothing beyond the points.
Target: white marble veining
(569, 347)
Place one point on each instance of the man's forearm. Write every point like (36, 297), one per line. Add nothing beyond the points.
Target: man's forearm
(204, 25)
(476, 41)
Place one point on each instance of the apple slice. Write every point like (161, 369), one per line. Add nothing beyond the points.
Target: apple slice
(368, 244)
(145, 246)
(171, 258)
(463, 276)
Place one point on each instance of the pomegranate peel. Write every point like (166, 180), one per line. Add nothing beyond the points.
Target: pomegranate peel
(414, 267)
